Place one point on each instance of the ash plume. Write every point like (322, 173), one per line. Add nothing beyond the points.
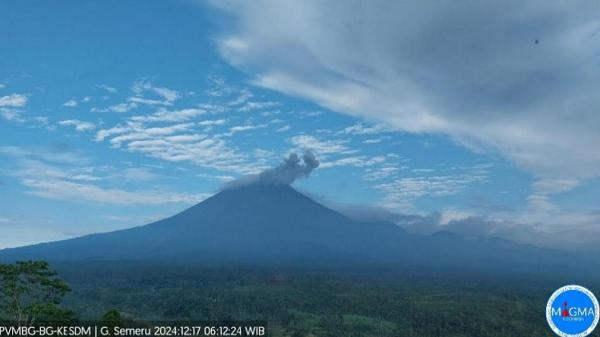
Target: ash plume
(293, 167)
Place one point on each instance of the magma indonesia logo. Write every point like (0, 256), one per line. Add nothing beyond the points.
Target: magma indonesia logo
(572, 311)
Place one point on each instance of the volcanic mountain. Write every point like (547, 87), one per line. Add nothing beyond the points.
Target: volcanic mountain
(263, 224)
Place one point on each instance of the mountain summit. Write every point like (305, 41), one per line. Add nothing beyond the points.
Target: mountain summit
(264, 224)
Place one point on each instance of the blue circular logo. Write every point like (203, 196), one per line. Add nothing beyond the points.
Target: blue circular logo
(572, 311)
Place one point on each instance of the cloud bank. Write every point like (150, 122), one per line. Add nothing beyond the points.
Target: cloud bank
(584, 239)
(515, 77)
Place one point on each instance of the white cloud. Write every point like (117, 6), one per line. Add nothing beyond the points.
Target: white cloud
(218, 88)
(170, 116)
(116, 130)
(240, 128)
(284, 128)
(120, 218)
(47, 154)
(9, 107)
(146, 101)
(13, 101)
(185, 138)
(379, 173)
(262, 153)
(109, 89)
(359, 161)
(372, 141)
(140, 132)
(306, 114)
(402, 191)
(307, 142)
(73, 191)
(74, 183)
(242, 97)
(178, 142)
(167, 96)
(213, 122)
(139, 174)
(450, 215)
(542, 189)
(553, 186)
(362, 129)
(29, 168)
(220, 178)
(251, 106)
(121, 108)
(33, 166)
(70, 103)
(413, 66)
(206, 152)
(540, 203)
(11, 115)
(43, 120)
(80, 126)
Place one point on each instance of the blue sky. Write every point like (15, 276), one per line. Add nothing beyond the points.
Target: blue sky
(117, 113)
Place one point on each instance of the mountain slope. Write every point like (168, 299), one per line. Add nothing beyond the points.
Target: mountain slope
(257, 221)
(264, 224)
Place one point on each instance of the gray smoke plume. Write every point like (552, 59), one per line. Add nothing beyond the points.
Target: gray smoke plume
(284, 174)
(290, 170)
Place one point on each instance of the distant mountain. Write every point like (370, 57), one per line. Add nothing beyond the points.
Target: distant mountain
(276, 225)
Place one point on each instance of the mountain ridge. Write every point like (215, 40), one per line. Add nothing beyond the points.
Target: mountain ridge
(261, 224)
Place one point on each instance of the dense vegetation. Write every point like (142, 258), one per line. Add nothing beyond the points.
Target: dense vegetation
(317, 303)
(31, 293)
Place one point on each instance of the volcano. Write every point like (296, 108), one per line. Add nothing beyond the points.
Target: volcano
(261, 224)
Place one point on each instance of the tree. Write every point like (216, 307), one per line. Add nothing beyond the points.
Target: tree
(111, 319)
(30, 293)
